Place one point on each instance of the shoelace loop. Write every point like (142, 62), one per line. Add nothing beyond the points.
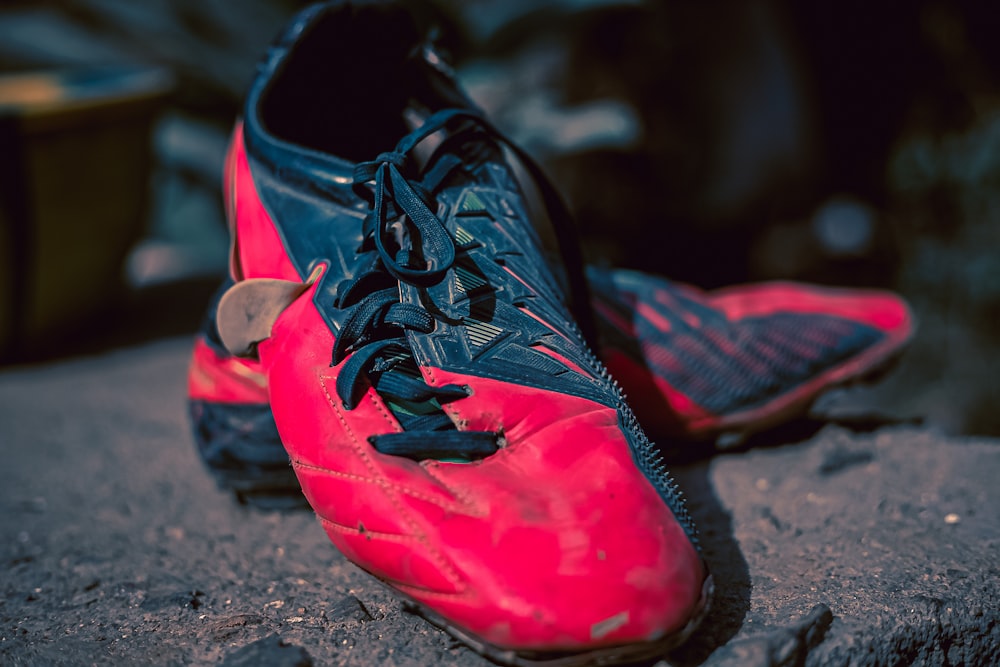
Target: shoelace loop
(411, 244)
(410, 238)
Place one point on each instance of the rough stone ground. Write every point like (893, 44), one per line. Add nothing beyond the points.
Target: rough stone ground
(118, 549)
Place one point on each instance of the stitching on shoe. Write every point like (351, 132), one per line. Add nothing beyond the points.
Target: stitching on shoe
(372, 396)
(475, 510)
(447, 573)
(425, 593)
(453, 411)
(456, 416)
(472, 508)
(392, 492)
(428, 372)
(379, 404)
(460, 504)
(389, 537)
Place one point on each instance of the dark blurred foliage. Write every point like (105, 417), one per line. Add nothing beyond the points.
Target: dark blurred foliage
(842, 142)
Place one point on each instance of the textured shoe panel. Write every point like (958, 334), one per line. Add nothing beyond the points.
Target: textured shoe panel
(733, 368)
(749, 350)
(503, 316)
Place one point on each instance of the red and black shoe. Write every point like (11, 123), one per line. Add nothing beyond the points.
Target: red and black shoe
(739, 360)
(427, 376)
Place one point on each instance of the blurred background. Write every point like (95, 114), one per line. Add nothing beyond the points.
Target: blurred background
(847, 143)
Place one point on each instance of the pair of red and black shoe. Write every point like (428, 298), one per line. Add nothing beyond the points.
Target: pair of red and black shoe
(442, 388)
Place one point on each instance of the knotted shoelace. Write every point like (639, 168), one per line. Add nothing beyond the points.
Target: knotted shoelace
(406, 241)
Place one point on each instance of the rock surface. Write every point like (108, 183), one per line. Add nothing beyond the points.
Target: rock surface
(839, 546)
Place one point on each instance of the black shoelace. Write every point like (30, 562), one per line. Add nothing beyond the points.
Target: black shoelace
(406, 242)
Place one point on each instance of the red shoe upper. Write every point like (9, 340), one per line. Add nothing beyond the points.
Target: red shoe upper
(533, 547)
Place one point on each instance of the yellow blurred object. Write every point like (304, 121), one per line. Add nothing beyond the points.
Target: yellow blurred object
(75, 160)
(30, 90)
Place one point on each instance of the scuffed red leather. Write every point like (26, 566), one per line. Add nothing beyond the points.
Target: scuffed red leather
(534, 547)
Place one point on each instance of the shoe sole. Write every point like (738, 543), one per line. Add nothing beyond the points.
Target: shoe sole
(239, 444)
(612, 655)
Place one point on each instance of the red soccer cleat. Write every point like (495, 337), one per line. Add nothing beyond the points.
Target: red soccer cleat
(441, 411)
